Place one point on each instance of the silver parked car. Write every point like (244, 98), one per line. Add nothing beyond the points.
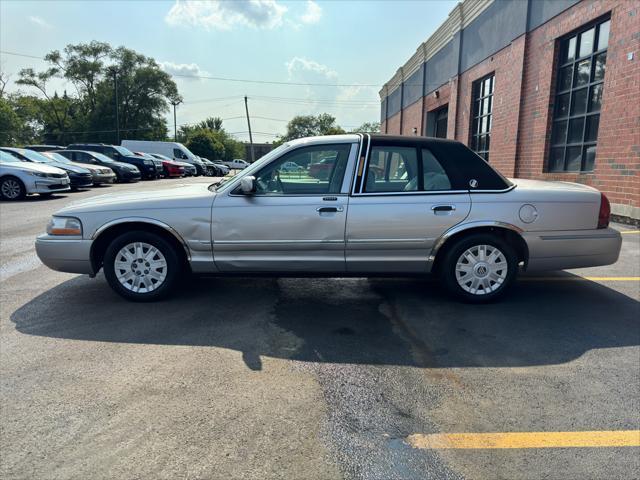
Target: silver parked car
(19, 178)
(388, 205)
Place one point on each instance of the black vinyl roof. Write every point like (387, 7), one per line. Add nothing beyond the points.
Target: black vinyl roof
(461, 163)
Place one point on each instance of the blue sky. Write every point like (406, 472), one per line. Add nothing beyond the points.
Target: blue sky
(356, 43)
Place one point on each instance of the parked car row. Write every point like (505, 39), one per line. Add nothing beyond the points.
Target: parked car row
(83, 165)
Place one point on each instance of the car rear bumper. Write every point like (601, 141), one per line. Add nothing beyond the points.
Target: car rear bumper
(560, 250)
(65, 255)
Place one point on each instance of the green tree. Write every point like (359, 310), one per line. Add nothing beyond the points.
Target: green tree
(10, 124)
(311, 125)
(21, 122)
(205, 144)
(213, 125)
(144, 92)
(367, 127)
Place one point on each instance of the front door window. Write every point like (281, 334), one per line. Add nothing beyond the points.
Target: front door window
(317, 170)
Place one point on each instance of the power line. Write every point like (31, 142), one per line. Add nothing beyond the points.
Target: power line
(261, 82)
(65, 132)
(290, 100)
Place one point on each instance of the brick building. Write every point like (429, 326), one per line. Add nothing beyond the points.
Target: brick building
(546, 89)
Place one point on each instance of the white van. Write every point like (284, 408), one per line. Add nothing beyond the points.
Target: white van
(173, 150)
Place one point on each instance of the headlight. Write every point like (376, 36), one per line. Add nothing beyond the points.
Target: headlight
(38, 174)
(148, 162)
(64, 226)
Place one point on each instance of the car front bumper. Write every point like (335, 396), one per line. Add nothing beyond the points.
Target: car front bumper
(130, 175)
(80, 181)
(559, 250)
(49, 185)
(99, 178)
(65, 255)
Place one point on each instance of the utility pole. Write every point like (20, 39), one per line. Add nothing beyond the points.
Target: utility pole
(246, 107)
(175, 127)
(115, 86)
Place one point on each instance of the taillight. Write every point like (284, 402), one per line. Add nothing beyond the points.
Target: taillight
(605, 212)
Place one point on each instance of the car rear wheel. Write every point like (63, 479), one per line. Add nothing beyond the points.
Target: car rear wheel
(141, 266)
(12, 188)
(479, 268)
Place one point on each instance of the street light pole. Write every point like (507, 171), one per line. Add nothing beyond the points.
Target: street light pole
(175, 127)
(115, 86)
(246, 108)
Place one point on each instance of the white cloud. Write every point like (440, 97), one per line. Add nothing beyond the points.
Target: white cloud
(299, 68)
(40, 22)
(223, 15)
(187, 69)
(312, 14)
(350, 104)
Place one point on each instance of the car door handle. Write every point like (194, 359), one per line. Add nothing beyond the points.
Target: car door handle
(443, 208)
(329, 209)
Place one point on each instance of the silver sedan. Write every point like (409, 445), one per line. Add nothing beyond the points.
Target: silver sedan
(383, 206)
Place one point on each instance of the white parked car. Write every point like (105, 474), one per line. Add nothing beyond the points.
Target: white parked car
(236, 164)
(18, 178)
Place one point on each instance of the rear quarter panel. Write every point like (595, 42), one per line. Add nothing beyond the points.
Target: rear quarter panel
(559, 207)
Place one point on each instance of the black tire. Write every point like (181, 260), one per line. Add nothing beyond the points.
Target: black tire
(14, 183)
(447, 269)
(174, 265)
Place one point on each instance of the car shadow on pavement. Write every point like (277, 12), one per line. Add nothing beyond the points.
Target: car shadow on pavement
(40, 198)
(360, 321)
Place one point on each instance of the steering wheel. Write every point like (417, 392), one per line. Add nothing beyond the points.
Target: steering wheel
(261, 185)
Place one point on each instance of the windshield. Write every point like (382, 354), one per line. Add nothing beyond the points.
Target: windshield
(33, 156)
(252, 167)
(7, 157)
(56, 157)
(123, 151)
(102, 157)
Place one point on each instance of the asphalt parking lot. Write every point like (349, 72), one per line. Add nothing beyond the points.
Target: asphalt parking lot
(314, 378)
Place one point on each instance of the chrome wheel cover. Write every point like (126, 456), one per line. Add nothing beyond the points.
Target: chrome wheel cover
(481, 269)
(140, 267)
(11, 189)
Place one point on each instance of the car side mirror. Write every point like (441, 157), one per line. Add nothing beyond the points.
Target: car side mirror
(248, 185)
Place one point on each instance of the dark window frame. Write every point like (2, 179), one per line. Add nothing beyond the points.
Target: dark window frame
(587, 114)
(480, 139)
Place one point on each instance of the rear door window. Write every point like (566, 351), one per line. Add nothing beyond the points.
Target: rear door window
(434, 176)
(392, 169)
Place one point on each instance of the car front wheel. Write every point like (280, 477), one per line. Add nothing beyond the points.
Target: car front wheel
(479, 268)
(11, 189)
(142, 266)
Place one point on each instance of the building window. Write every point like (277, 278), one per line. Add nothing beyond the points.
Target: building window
(578, 99)
(482, 107)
